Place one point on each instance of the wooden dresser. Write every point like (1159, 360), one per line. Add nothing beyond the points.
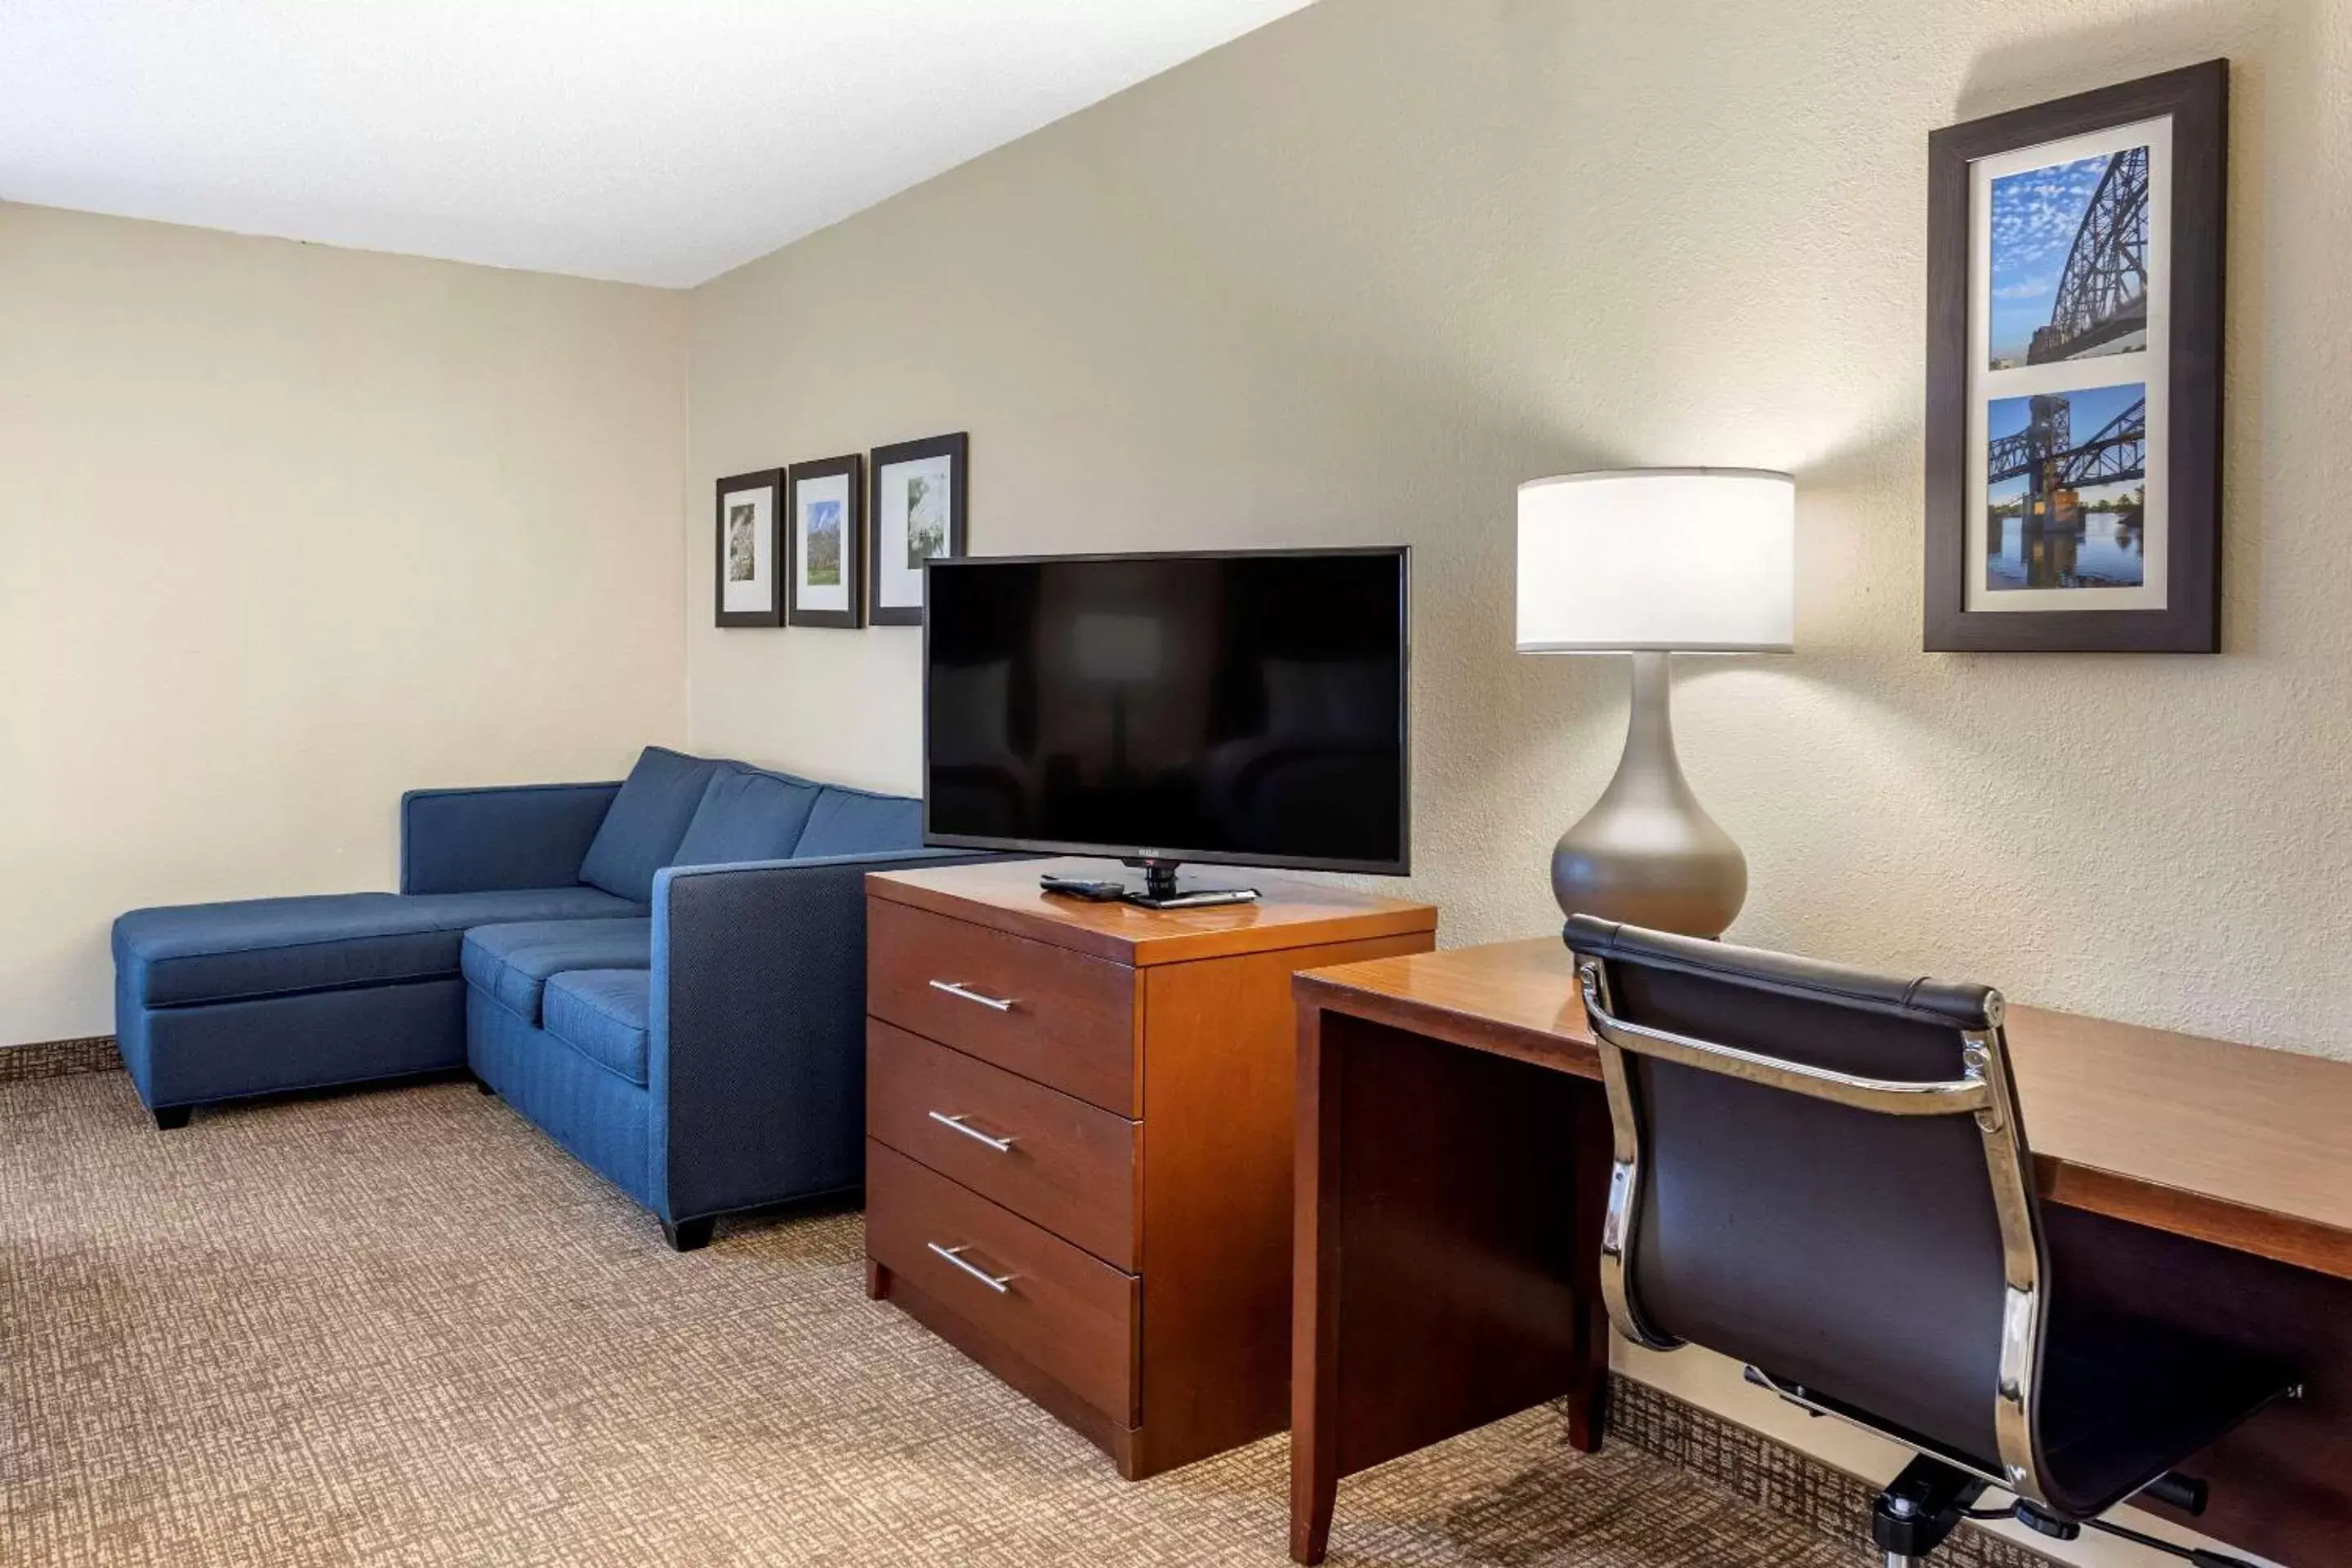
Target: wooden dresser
(1080, 1120)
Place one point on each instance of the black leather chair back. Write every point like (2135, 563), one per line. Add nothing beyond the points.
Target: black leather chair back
(1853, 1252)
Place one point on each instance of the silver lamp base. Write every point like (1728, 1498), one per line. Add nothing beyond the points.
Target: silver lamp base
(1647, 853)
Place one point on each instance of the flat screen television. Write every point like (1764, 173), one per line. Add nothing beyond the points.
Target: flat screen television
(1240, 708)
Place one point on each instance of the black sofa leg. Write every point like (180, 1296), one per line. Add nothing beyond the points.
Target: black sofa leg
(688, 1235)
(483, 1084)
(168, 1116)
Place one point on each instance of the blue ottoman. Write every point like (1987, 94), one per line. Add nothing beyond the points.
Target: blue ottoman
(219, 1000)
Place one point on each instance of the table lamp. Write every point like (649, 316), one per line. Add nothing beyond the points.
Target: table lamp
(1654, 561)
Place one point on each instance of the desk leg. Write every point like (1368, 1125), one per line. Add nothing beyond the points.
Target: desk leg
(1436, 1286)
(1587, 1394)
(1314, 1303)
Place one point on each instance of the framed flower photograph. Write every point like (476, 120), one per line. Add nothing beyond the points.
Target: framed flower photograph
(826, 542)
(749, 587)
(917, 515)
(2074, 373)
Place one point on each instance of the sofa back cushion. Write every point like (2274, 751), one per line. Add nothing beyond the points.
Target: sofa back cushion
(648, 818)
(851, 822)
(746, 815)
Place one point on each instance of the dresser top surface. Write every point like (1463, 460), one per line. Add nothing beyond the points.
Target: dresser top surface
(1005, 896)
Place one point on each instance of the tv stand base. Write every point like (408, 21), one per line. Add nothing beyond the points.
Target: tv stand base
(1198, 899)
(1159, 892)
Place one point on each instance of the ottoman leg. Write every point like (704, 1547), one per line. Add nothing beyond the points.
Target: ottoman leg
(168, 1116)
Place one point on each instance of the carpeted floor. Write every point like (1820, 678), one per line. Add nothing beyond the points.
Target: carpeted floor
(402, 1327)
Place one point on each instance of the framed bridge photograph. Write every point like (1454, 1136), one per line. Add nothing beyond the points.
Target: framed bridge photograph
(2073, 434)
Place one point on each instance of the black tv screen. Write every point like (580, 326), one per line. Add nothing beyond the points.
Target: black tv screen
(1245, 708)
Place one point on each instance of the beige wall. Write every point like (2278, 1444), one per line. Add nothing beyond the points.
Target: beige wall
(1356, 275)
(284, 530)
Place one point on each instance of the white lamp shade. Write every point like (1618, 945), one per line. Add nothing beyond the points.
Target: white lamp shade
(1682, 559)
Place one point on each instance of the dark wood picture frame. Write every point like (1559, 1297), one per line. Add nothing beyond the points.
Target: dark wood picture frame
(2196, 100)
(957, 449)
(850, 466)
(772, 614)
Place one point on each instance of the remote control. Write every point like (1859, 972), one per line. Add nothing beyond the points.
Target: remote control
(1080, 888)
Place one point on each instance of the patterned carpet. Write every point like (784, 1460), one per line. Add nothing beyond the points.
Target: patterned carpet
(402, 1327)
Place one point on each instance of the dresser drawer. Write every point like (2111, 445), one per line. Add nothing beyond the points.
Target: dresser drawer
(1069, 1314)
(1054, 1161)
(1066, 1020)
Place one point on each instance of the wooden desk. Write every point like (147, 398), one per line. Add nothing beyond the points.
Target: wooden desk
(1453, 1164)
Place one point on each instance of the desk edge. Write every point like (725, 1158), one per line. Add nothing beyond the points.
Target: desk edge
(2293, 1239)
(1315, 989)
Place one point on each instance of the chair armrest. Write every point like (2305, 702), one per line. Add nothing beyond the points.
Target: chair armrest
(481, 840)
(757, 1059)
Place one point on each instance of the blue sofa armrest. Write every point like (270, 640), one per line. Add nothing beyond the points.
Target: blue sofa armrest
(757, 1056)
(483, 840)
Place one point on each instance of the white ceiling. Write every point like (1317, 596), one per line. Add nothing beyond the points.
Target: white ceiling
(652, 141)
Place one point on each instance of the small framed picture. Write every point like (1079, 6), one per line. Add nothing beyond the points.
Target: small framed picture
(2074, 371)
(750, 590)
(826, 542)
(917, 516)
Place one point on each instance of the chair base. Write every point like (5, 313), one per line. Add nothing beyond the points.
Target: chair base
(1919, 1508)
(1927, 1502)
(168, 1116)
(2166, 1487)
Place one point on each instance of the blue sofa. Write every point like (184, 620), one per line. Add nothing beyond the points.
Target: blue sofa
(665, 976)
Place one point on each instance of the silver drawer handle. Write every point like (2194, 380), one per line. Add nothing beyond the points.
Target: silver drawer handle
(1001, 1145)
(952, 989)
(999, 1283)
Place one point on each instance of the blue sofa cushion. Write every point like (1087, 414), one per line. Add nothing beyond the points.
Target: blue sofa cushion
(746, 815)
(276, 947)
(604, 1015)
(514, 962)
(852, 822)
(648, 817)
(602, 1118)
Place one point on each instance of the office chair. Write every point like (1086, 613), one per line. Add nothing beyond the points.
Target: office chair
(1822, 1173)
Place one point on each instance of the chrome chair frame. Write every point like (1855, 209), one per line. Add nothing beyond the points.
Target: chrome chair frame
(1985, 1091)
